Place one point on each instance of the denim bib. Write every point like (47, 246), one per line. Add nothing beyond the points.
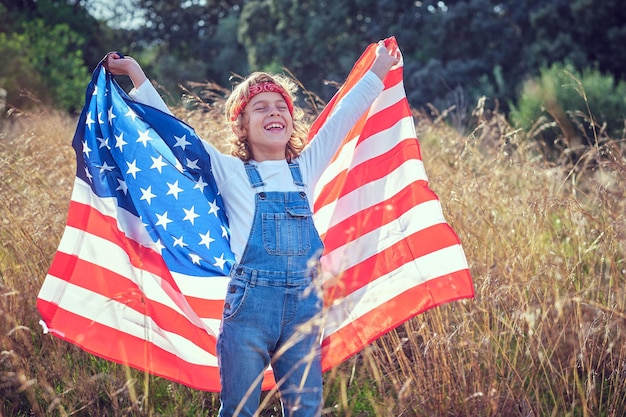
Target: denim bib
(283, 246)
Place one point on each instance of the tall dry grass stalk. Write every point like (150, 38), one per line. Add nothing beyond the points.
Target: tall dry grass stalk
(544, 336)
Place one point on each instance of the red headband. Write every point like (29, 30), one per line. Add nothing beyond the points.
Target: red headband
(258, 88)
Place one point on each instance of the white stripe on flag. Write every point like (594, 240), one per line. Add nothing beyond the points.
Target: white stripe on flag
(127, 222)
(368, 195)
(357, 250)
(153, 287)
(386, 287)
(119, 316)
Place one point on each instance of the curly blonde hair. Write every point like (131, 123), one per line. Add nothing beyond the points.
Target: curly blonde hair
(239, 145)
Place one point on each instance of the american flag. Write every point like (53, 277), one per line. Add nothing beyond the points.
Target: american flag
(140, 274)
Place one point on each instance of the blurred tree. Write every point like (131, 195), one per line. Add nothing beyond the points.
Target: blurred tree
(50, 46)
(316, 40)
(189, 40)
(468, 49)
(455, 50)
(180, 24)
(45, 63)
(583, 33)
(73, 13)
(460, 50)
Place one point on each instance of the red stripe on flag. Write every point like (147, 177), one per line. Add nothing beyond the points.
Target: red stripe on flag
(361, 331)
(383, 262)
(374, 169)
(371, 218)
(130, 350)
(206, 308)
(120, 289)
(385, 118)
(85, 217)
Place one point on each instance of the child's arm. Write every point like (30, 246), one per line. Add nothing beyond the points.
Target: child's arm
(318, 153)
(385, 59)
(145, 93)
(143, 90)
(117, 65)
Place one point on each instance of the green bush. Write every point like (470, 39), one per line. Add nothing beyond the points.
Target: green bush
(46, 62)
(565, 109)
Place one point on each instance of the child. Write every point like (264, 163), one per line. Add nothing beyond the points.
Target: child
(267, 187)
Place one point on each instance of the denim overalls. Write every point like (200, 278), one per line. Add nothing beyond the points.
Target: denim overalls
(272, 308)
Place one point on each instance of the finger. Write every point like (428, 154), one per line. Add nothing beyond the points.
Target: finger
(113, 55)
(396, 53)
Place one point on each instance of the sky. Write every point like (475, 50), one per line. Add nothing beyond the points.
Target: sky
(119, 13)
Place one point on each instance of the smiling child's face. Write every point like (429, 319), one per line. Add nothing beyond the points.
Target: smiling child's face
(269, 126)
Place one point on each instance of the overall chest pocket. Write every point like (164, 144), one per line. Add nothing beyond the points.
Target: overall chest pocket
(287, 233)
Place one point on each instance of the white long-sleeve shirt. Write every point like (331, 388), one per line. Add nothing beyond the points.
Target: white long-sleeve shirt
(230, 174)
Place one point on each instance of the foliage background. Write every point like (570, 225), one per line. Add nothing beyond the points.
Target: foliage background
(455, 51)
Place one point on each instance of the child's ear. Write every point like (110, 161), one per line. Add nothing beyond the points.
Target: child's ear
(239, 131)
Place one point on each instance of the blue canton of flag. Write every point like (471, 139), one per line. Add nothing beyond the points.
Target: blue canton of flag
(156, 167)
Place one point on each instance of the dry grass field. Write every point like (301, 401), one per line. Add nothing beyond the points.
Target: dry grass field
(544, 336)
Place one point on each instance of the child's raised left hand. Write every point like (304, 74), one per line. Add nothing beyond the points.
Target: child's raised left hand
(386, 58)
(117, 64)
